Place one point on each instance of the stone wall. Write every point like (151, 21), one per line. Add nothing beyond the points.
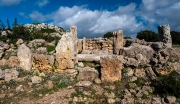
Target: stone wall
(95, 44)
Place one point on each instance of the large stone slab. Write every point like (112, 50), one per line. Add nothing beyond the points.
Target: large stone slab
(66, 50)
(111, 66)
(25, 57)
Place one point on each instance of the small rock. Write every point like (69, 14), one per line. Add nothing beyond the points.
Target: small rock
(109, 95)
(36, 79)
(110, 101)
(49, 84)
(97, 81)
(19, 89)
(80, 64)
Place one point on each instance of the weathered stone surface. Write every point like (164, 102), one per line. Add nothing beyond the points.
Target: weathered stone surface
(13, 61)
(25, 57)
(87, 74)
(111, 66)
(145, 53)
(11, 74)
(36, 42)
(66, 50)
(19, 42)
(150, 73)
(2, 74)
(140, 73)
(164, 35)
(117, 41)
(132, 62)
(3, 47)
(41, 62)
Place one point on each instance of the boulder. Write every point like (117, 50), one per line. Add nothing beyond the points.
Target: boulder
(142, 53)
(11, 74)
(24, 55)
(111, 66)
(117, 41)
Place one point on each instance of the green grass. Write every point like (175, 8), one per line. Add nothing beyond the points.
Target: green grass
(50, 48)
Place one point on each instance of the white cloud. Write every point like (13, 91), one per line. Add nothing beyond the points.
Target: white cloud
(161, 12)
(42, 2)
(96, 23)
(35, 15)
(128, 18)
(9, 2)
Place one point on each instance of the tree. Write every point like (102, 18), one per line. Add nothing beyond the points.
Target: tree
(108, 35)
(2, 26)
(8, 25)
(175, 37)
(15, 23)
(148, 36)
(127, 37)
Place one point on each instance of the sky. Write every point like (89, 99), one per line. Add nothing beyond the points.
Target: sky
(94, 18)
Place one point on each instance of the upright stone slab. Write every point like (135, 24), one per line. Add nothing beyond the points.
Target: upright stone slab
(80, 45)
(25, 57)
(73, 30)
(111, 66)
(84, 43)
(66, 50)
(117, 41)
(164, 35)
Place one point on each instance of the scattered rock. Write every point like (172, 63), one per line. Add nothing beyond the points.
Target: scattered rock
(19, 89)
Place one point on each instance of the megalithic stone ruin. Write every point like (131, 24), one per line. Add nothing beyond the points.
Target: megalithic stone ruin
(117, 41)
(165, 36)
(66, 50)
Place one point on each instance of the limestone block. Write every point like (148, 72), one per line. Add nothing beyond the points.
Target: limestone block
(24, 55)
(111, 66)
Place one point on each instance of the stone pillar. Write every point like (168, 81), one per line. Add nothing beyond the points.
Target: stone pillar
(73, 30)
(84, 44)
(80, 45)
(117, 41)
(164, 35)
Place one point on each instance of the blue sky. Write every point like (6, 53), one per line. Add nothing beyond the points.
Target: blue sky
(94, 18)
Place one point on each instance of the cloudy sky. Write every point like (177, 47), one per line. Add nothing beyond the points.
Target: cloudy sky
(94, 18)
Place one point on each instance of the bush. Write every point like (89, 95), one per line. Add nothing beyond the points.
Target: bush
(175, 37)
(168, 84)
(148, 36)
(108, 35)
(50, 48)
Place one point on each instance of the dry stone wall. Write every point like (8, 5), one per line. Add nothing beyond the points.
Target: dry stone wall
(96, 44)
